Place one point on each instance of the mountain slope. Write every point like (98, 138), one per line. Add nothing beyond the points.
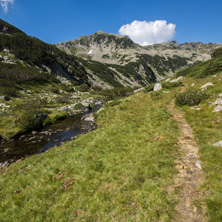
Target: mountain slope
(18, 48)
(161, 60)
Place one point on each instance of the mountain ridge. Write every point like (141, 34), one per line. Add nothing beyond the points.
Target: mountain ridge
(103, 60)
(163, 59)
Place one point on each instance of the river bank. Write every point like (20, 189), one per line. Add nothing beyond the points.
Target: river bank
(52, 135)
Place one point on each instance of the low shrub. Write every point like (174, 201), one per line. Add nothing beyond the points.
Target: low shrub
(8, 91)
(32, 113)
(191, 97)
(65, 98)
(170, 85)
(111, 94)
(149, 87)
(217, 53)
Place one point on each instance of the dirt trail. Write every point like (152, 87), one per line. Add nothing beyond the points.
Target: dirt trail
(190, 173)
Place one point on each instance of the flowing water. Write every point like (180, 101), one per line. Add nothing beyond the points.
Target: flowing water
(40, 141)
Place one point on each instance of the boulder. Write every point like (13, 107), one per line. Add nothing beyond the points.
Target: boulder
(198, 164)
(206, 85)
(218, 144)
(217, 109)
(157, 87)
(219, 100)
(5, 98)
(177, 80)
(89, 117)
(138, 90)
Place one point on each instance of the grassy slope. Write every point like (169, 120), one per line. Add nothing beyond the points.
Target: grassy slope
(207, 128)
(118, 172)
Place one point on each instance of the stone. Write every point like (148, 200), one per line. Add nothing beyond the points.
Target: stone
(198, 164)
(100, 110)
(193, 84)
(89, 118)
(219, 100)
(5, 98)
(217, 109)
(157, 87)
(177, 80)
(218, 144)
(138, 90)
(206, 85)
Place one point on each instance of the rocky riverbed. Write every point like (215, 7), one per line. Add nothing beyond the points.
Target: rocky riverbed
(40, 141)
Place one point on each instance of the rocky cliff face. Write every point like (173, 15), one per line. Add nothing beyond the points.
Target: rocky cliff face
(132, 64)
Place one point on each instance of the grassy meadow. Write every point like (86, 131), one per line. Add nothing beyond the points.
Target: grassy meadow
(119, 172)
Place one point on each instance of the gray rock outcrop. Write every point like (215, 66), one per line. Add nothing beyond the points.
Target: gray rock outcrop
(157, 87)
(218, 144)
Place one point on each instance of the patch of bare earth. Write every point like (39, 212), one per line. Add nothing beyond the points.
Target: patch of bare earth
(190, 174)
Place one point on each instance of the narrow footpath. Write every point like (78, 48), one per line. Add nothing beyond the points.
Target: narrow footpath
(190, 174)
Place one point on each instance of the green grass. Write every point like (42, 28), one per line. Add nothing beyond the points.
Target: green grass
(204, 69)
(207, 128)
(119, 172)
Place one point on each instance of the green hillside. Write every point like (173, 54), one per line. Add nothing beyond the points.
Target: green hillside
(126, 169)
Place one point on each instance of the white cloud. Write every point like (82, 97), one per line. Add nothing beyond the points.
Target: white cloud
(148, 33)
(5, 3)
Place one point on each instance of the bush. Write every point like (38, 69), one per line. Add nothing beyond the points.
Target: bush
(191, 97)
(217, 53)
(8, 91)
(117, 92)
(65, 98)
(149, 87)
(32, 113)
(170, 85)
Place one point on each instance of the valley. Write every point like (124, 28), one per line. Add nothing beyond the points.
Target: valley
(134, 131)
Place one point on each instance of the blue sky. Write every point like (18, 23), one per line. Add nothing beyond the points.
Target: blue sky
(55, 21)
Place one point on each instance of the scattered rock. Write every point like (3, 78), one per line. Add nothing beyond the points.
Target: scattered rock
(218, 144)
(4, 98)
(138, 90)
(177, 80)
(217, 109)
(219, 100)
(34, 132)
(206, 85)
(88, 117)
(157, 87)
(196, 108)
(100, 110)
(5, 164)
(198, 164)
